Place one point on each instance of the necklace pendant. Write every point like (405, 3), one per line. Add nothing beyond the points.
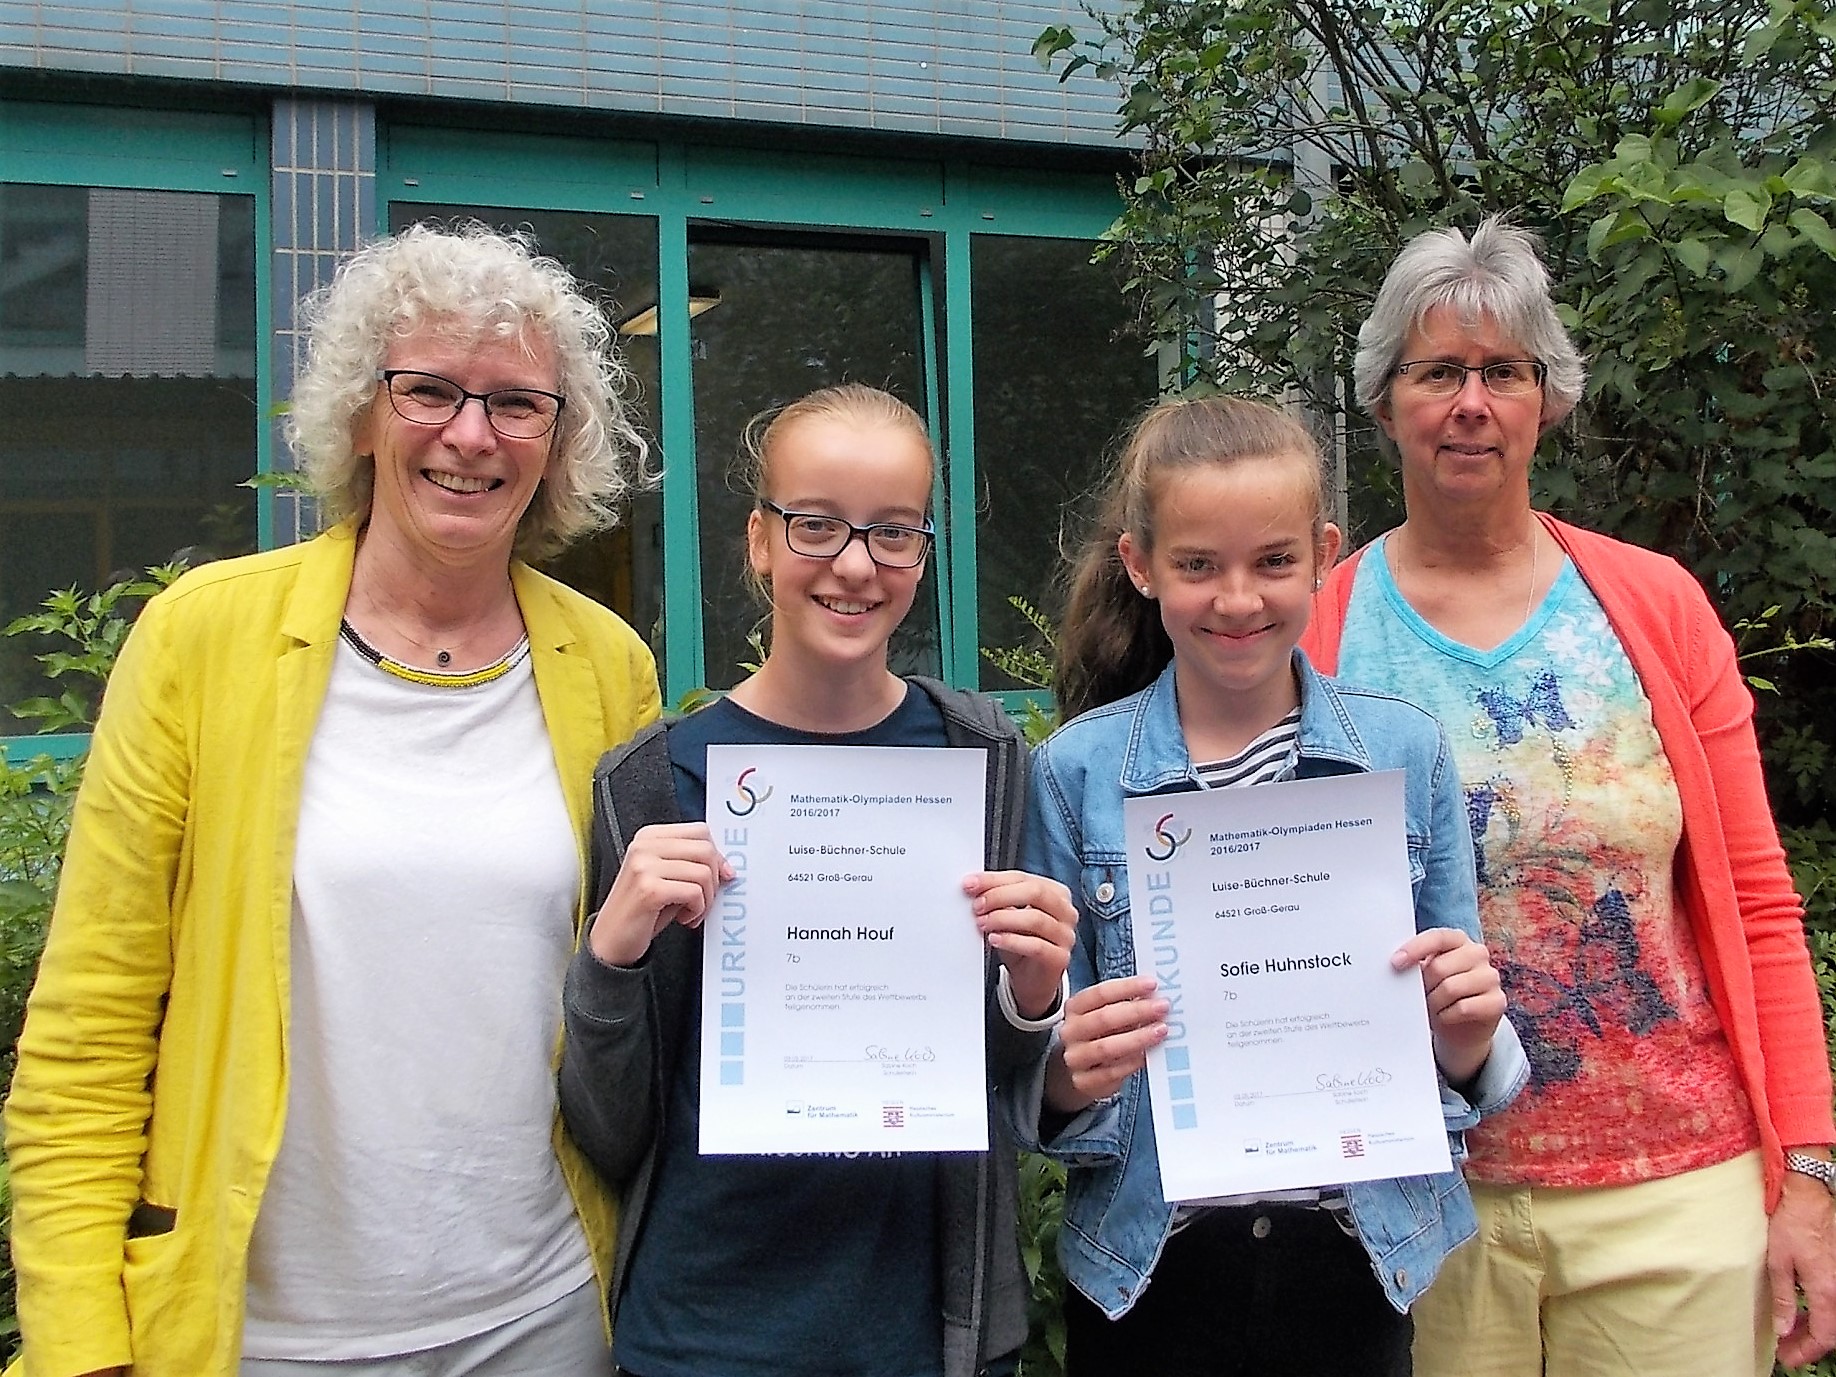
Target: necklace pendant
(445, 657)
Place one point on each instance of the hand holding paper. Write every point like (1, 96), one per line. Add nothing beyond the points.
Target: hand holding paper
(1298, 1053)
(843, 992)
(669, 876)
(1032, 923)
(1465, 998)
(1105, 1038)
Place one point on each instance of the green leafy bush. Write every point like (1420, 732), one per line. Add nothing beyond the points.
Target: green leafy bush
(1675, 156)
(9, 1317)
(35, 802)
(1812, 853)
(1042, 1210)
(78, 637)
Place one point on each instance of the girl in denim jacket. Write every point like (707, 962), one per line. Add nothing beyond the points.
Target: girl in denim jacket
(1177, 661)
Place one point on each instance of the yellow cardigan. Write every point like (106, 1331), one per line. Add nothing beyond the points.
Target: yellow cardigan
(153, 1065)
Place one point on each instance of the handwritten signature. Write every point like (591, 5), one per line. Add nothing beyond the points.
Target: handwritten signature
(875, 1052)
(1355, 1080)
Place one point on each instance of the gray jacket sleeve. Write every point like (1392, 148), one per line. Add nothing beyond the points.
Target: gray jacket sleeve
(611, 1076)
(610, 1080)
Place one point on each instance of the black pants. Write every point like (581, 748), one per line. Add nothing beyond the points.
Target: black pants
(1252, 1291)
(1004, 1366)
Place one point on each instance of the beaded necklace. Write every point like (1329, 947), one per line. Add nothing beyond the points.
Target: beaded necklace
(434, 678)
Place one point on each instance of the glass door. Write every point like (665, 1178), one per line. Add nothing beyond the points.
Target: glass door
(773, 317)
(1046, 415)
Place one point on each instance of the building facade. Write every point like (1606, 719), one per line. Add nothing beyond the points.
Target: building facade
(772, 194)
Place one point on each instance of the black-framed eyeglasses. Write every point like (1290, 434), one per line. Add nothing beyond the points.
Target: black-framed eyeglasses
(818, 535)
(427, 399)
(1506, 378)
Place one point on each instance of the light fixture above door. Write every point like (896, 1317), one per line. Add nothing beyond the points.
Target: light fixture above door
(644, 322)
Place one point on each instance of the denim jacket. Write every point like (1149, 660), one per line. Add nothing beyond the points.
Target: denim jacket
(1116, 1221)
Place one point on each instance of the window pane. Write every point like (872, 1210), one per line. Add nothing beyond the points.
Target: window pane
(127, 379)
(616, 257)
(790, 319)
(1054, 382)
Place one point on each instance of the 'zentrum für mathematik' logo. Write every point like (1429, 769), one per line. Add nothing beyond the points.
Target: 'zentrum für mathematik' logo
(748, 796)
(1164, 843)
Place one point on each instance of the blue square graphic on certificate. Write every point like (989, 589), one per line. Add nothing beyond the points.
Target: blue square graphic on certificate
(733, 1015)
(1180, 1088)
(733, 1044)
(733, 1073)
(1185, 1116)
(1179, 1059)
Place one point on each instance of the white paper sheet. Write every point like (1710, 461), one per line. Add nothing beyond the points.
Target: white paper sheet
(1296, 1056)
(842, 997)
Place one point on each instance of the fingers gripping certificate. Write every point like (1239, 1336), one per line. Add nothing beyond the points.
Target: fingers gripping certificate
(1295, 1055)
(842, 996)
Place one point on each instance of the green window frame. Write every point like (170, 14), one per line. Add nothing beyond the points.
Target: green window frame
(945, 200)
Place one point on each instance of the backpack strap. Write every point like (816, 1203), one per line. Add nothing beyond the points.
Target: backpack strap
(632, 787)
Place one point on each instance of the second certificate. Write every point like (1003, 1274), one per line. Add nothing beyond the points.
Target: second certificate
(1296, 1055)
(842, 995)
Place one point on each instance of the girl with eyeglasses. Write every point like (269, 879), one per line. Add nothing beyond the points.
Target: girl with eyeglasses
(895, 1265)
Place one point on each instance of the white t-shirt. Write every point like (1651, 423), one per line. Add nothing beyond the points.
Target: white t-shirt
(416, 1198)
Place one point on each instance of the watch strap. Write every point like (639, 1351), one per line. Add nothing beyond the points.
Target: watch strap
(1820, 1168)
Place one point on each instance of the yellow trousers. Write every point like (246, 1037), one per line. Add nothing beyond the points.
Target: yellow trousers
(1664, 1278)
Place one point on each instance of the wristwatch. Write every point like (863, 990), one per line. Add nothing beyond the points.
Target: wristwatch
(1821, 1168)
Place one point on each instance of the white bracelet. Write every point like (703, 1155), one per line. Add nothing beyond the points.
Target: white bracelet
(1004, 996)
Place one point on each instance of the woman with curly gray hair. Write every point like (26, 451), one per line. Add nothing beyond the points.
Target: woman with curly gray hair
(285, 1102)
(1658, 1199)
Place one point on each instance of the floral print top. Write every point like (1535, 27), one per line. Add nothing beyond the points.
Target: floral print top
(1576, 820)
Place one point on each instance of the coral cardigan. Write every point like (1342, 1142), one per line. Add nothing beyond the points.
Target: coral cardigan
(1731, 877)
(153, 1066)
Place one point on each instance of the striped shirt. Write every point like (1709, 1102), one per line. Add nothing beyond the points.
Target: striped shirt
(1269, 757)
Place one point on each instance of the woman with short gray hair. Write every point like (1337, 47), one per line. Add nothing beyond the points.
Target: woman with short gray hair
(285, 1104)
(1658, 1199)
(1497, 275)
